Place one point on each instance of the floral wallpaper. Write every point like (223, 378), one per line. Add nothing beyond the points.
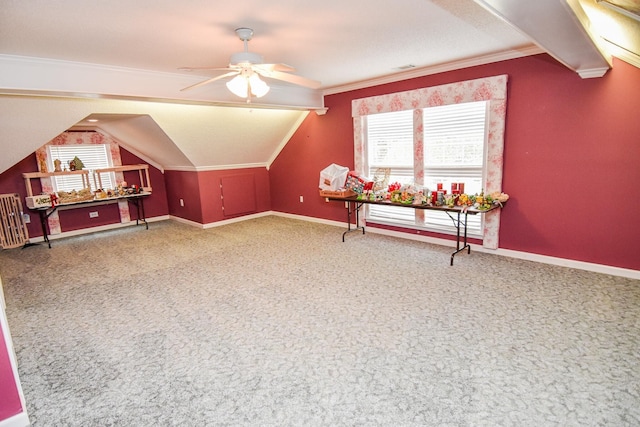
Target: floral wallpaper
(492, 89)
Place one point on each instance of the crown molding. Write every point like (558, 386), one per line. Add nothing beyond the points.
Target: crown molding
(622, 53)
(436, 69)
(592, 73)
(216, 167)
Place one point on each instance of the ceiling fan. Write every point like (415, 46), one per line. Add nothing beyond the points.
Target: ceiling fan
(247, 67)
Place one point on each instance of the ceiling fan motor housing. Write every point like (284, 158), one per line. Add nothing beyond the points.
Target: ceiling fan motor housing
(246, 57)
(249, 65)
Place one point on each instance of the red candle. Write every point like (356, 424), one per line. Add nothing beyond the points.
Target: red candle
(461, 187)
(434, 197)
(439, 186)
(454, 187)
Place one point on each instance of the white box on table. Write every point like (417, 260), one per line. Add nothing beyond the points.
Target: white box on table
(40, 201)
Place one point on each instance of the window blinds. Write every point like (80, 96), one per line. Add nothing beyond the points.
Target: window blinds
(454, 135)
(454, 151)
(93, 156)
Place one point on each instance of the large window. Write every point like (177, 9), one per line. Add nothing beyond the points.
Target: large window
(93, 156)
(454, 151)
(435, 163)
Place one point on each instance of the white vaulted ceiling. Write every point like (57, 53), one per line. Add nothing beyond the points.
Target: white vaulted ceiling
(119, 61)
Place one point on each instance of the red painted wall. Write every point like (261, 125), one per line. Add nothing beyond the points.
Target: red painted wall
(11, 181)
(184, 185)
(570, 165)
(572, 150)
(10, 404)
(201, 193)
(211, 192)
(156, 204)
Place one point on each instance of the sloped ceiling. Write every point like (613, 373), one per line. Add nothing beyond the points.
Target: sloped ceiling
(210, 137)
(118, 61)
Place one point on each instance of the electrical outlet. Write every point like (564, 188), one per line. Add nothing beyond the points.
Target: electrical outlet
(181, 202)
(93, 214)
(26, 218)
(301, 199)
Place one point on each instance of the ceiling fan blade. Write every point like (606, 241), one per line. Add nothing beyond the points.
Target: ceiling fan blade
(291, 78)
(213, 79)
(275, 67)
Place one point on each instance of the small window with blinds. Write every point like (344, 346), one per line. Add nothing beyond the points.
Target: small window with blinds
(454, 151)
(93, 156)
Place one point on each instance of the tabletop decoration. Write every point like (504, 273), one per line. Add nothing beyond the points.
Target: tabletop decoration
(408, 194)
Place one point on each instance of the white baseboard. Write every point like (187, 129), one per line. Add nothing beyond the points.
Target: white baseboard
(222, 222)
(310, 219)
(563, 262)
(82, 231)
(186, 221)
(237, 219)
(544, 259)
(20, 420)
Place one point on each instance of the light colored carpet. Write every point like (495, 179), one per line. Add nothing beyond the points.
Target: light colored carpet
(276, 322)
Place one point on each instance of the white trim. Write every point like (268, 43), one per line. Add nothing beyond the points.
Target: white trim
(592, 73)
(181, 168)
(561, 28)
(185, 221)
(219, 223)
(86, 80)
(563, 262)
(286, 139)
(137, 153)
(436, 69)
(543, 259)
(238, 166)
(310, 219)
(259, 215)
(237, 219)
(217, 167)
(616, 8)
(19, 420)
(622, 53)
(82, 231)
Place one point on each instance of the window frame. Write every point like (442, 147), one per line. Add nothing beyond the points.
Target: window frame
(426, 220)
(67, 152)
(490, 88)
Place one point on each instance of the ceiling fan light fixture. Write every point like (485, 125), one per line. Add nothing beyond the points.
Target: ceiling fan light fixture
(238, 86)
(258, 86)
(244, 85)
